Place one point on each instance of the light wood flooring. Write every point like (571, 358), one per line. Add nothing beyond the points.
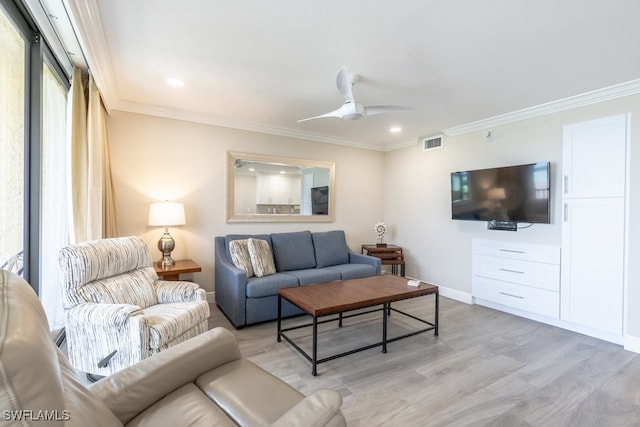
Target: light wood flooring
(486, 368)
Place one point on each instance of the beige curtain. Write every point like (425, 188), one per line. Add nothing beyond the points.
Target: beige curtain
(92, 197)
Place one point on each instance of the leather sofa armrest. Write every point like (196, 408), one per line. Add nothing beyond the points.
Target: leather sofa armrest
(131, 390)
(316, 409)
(178, 291)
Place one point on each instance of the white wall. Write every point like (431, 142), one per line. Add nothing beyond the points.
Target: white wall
(155, 159)
(417, 196)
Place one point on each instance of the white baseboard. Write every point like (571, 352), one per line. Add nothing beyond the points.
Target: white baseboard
(632, 343)
(450, 293)
(456, 295)
(211, 297)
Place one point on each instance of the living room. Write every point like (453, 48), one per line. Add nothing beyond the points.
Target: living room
(158, 154)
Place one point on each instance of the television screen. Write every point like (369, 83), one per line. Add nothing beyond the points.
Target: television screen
(320, 200)
(513, 193)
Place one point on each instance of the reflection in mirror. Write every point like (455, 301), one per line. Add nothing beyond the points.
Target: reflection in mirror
(262, 188)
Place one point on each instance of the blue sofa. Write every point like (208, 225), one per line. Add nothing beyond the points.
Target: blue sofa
(300, 258)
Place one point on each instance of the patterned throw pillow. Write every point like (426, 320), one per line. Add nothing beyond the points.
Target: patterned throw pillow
(261, 257)
(239, 250)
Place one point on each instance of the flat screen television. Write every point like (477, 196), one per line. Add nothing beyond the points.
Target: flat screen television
(320, 200)
(511, 194)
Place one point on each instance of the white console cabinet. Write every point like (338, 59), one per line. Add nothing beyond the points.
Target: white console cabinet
(517, 275)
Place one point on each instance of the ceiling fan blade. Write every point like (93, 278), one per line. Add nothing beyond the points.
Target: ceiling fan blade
(380, 109)
(321, 116)
(343, 81)
(345, 110)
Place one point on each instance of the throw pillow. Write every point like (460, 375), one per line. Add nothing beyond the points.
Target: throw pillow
(239, 250)
(261, 257)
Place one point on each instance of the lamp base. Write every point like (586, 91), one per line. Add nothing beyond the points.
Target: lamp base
(166, 244)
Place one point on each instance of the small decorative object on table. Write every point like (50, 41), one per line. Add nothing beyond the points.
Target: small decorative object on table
(380, 229)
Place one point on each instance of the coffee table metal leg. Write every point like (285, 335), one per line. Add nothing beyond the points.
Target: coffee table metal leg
(385, 309)
(437, 313)
(279, 318)
(314, 358)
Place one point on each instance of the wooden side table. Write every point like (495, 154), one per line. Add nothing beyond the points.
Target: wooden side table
(181, 266)
(389, 255)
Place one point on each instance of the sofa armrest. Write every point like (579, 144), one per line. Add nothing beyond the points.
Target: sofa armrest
(230, 285)
(316, 409)
(178, 291)
(131, 390)
(356, 258)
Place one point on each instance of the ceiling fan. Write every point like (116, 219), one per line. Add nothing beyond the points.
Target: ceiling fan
(351, 109)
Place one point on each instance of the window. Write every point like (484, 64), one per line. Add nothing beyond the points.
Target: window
(12, 148)
(33, 158)
(54, 231)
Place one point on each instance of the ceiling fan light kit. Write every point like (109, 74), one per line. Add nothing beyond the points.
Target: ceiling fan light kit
(351, 109)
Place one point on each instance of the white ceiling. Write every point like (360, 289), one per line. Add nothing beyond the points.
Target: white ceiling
(263, 65)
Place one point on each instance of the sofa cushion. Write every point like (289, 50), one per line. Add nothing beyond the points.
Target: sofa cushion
(330, 248)
(168, 321)
(261, 257)
(353, 271)
(258, 287)
(243, 391)
(134, 287)
(239, 250)
(293, 251)
(315, 275)
(186, 406)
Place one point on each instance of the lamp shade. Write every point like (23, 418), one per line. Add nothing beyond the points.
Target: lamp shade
(164, 214)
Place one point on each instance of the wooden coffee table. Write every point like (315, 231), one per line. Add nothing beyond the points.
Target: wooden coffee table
(342, 296)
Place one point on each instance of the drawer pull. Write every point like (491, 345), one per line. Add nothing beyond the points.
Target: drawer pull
(511, 295)
(511, 271)
(512, 251)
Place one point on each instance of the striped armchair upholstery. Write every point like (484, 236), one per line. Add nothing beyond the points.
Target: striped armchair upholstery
(114, 301)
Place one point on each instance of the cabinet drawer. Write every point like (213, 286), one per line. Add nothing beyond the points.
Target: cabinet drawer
(534, 274)
(529, 252)
(534, 300)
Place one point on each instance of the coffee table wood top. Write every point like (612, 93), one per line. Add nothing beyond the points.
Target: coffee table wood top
(345, 295)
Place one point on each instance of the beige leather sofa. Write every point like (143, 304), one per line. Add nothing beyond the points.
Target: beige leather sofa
(200, 382)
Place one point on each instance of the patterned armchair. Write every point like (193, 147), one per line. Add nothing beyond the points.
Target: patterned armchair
(117, 311)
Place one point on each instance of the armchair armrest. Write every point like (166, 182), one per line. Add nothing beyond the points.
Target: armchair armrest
(115, 315)
(131, 390)
(314, 410)
(95, 330)
(356, 258)
(178, 291)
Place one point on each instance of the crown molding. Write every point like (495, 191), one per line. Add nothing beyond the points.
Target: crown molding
(85, 19)
(397, 146)
(169, 113)
(631, 87)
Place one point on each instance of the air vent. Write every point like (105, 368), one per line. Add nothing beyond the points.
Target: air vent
(432, 142)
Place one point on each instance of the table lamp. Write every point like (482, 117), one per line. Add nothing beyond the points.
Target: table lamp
(165, 214)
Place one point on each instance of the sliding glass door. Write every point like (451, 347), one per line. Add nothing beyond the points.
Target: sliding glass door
(33, 159)
(13, 55)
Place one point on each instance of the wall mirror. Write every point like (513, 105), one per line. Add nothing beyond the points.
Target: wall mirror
(264, 188)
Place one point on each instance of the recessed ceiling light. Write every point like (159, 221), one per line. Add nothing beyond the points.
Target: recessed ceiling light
(395, 129)
(175, 82)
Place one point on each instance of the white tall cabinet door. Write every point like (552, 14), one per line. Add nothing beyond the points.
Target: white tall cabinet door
(592, 263)
(593, 158)
(593, 227)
